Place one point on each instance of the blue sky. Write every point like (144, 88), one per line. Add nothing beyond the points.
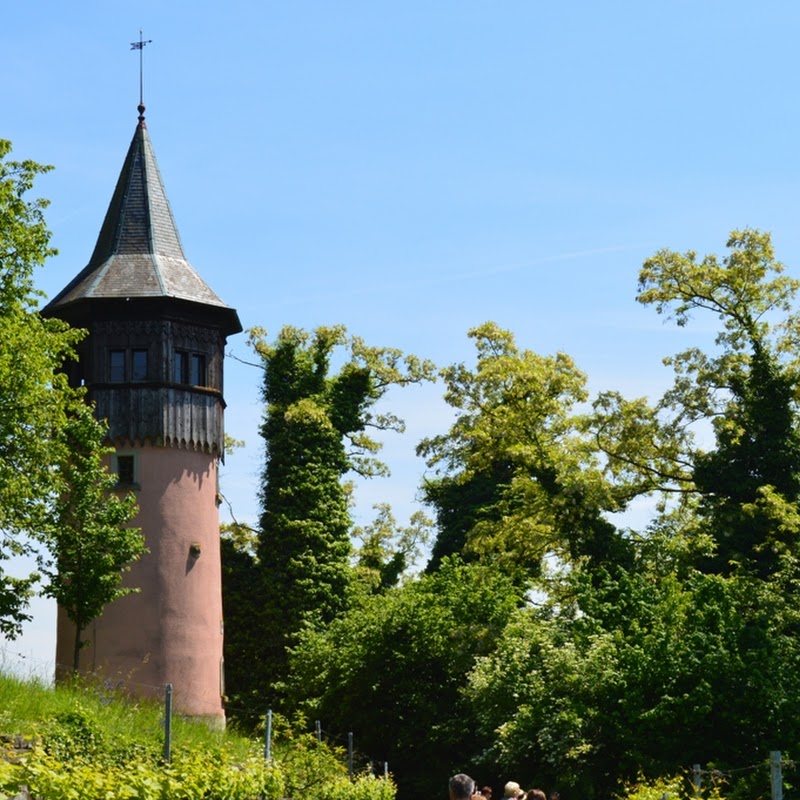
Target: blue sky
(414, 169)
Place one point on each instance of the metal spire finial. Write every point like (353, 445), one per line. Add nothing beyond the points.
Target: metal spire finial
(140, 47)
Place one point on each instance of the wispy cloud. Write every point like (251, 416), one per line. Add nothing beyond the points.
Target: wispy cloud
(444, 278)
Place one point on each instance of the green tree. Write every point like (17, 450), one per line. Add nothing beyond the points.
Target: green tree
(90, 544)
(690, 670)
(386, 550)
(53, 487)
(623, 657)
(316, 430)
(521, 443)
(392, 670)
(34, 397)
(461, 501)
(748, 389)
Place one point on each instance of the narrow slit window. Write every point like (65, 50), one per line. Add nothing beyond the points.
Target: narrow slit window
(179, 367)
(197, 375)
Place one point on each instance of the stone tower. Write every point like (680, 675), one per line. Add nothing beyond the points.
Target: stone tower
(153, 366)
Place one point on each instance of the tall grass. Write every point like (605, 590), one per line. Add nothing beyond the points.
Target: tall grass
(30, 707)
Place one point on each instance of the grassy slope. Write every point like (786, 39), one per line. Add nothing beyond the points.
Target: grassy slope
(95, 743)
(28, 707)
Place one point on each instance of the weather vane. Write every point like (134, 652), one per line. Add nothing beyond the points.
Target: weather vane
(140, 47)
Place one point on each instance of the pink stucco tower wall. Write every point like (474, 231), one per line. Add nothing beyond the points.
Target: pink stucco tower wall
(153, 368)
(170, 631)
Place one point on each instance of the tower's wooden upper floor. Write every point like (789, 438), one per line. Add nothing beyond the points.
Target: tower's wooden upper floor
(153, 360)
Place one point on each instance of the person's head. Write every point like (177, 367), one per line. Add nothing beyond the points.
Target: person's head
(511, 789)
(462, 787)
(487, 792)
(535, 794)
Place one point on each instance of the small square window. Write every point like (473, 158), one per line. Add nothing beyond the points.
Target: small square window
(116, 366)
(139, 365)
(125, 467)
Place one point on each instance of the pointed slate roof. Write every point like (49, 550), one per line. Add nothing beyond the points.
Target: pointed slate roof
(139, 252)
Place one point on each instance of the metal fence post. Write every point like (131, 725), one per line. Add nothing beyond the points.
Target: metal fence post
(168, 723)
(268, 737)
(350, 755)
(775, 774)
(697, 780)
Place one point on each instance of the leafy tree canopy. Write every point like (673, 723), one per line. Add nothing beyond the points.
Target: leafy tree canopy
(688, 624)
(386, 550)
(392, 670)
(53, 497)
(747, 389)
(519, 465)
(34, 397)
(697, 631)
(590, 701)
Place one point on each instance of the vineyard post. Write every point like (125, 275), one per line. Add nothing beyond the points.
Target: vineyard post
(167, 723)
(775, 774)
(697, 780)
(350, 754)
(268, 737)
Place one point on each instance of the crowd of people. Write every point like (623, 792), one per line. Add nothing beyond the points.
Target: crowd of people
(462, 787)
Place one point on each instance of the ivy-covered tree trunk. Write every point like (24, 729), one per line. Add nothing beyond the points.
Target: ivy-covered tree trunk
(304, 547)
(314, 433)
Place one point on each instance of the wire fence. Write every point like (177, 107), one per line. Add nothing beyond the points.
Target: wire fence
(777, 763)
